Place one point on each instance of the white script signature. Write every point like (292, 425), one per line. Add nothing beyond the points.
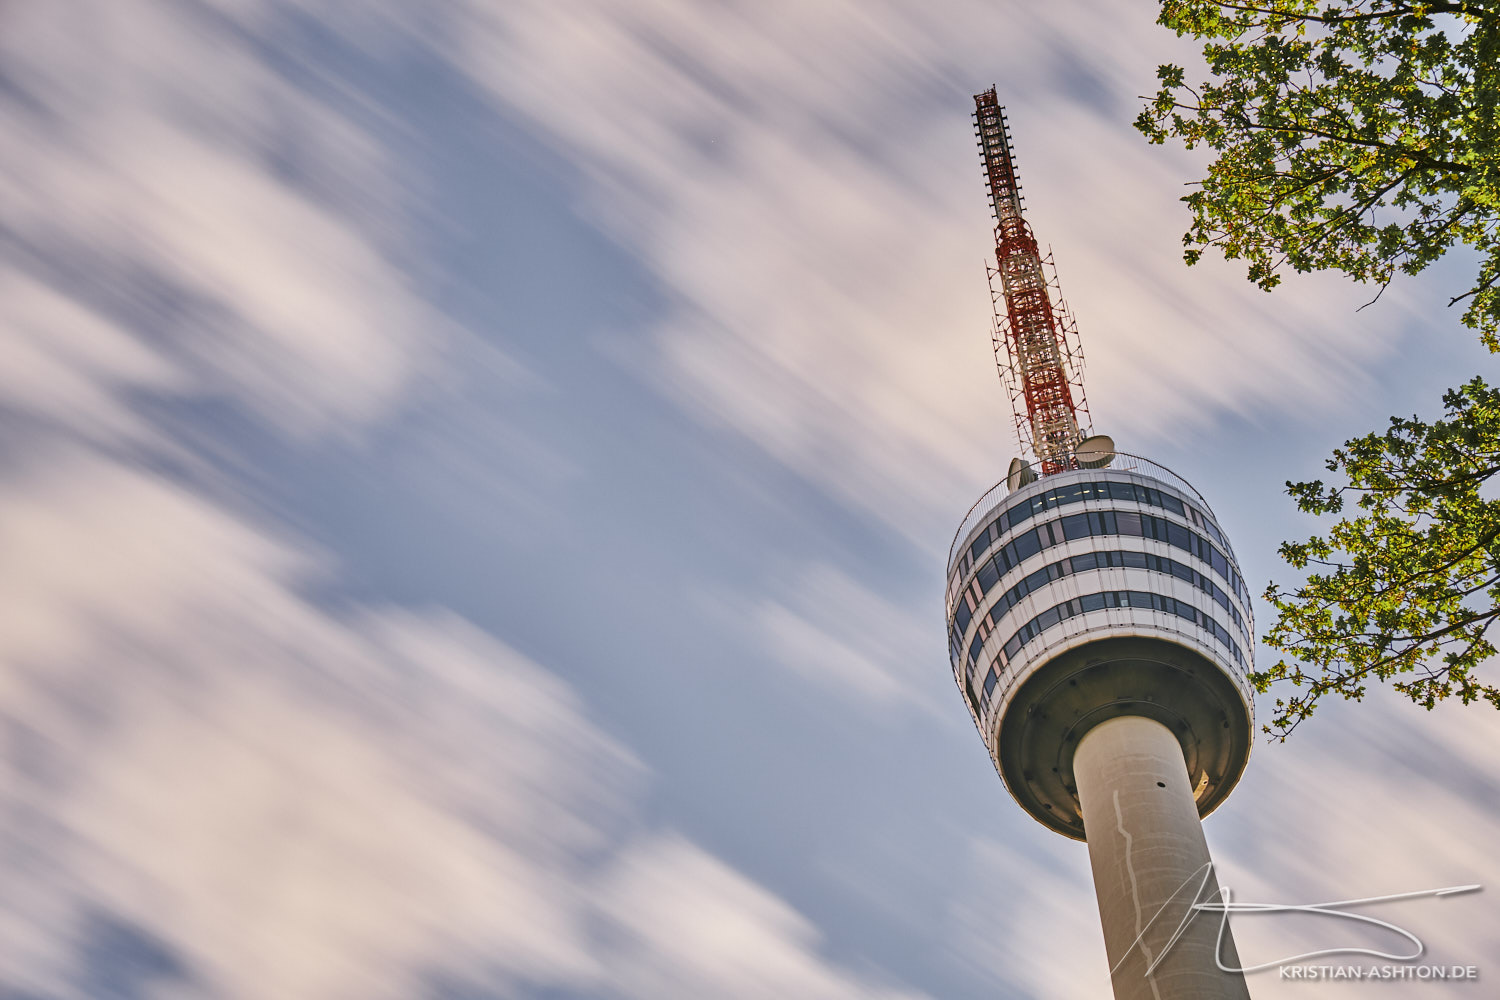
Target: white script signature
(1226, 905)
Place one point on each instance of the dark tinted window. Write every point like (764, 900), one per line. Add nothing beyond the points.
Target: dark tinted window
(980, 544)
(1119, 598)
(989, 573)
(1006, 557)
(1076, 526)
(1213, 531)
(1110, 522)
(962, 616)
(1027, 546)
(990, 681)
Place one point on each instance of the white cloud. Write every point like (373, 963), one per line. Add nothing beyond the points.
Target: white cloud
(1372, 799)
(697, 928)
(287, 849)
(1027, 917)
(803, 178)
(837, 633)
(63, 364)
(144, 152)
(323, 333)
(96, 549)
(313, 804)
(294, 802)
(310, 805)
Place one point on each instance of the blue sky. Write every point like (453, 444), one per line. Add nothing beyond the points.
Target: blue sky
(476, 483)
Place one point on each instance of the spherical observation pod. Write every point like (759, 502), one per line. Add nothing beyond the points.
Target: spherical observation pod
(1090, 594)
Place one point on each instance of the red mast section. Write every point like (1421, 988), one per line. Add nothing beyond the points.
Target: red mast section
(1041, 364)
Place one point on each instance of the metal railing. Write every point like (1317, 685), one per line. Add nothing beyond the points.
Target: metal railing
(1122, 462)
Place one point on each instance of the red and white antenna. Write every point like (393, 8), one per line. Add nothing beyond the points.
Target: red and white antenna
(1036, 342)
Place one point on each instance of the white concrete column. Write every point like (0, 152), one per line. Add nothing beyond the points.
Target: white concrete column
(1149, 858)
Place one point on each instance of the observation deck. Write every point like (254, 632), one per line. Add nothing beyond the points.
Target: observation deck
(1091, 594)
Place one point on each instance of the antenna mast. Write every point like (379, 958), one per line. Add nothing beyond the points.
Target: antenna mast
(1042, 360)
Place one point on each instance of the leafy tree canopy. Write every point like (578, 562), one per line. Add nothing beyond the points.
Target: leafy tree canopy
(1362, 136)
(1358, 136)
(1410, 584)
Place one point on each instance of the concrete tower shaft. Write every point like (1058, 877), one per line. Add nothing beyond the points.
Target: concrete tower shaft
(1151, 864)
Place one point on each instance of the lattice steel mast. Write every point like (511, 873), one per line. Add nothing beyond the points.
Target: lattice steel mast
(1040, 362)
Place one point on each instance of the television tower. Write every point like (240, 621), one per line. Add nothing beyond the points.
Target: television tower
(1101, 635)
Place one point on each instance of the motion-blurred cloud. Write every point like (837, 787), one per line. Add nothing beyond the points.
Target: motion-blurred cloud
(419, 584)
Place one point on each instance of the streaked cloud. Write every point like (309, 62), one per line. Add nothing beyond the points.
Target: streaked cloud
(695, 927)
(230, 771)
(69, 368)
(214, 783)
(1027, 915)
(302, 804)
(141, 168)
(804, 179)
(838, 634)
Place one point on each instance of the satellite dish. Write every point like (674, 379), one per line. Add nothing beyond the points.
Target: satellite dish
(1095, 452)
(1021, 473)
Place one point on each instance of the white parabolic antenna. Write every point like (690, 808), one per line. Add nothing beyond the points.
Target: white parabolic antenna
(1095, 452)
(1021, 473)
